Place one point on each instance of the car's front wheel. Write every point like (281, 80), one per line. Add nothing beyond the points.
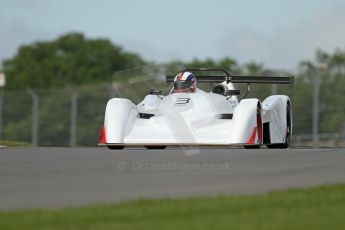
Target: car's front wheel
(115, 146)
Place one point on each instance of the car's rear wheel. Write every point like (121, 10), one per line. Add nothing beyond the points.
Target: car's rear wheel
(258, 129)
(288, 131)
(155, 146)
(115, 146)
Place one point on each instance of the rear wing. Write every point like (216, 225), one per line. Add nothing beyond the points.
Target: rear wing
(226, 76)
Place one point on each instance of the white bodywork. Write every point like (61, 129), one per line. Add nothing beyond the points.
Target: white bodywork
(194, 118)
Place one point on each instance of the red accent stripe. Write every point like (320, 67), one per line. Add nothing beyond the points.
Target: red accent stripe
(101, 138)
(259, 126)
(252, 137)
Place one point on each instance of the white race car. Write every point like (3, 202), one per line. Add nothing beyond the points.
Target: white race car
(216, 118)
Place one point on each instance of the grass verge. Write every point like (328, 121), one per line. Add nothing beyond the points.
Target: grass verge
(14, 143)
(314, 208)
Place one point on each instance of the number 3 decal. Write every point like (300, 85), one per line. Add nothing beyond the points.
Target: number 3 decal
(182, 101)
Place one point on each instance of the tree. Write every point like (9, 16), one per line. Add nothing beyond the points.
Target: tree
(331, 68)
(70, 59)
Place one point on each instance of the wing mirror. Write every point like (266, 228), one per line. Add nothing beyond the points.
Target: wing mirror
(219, 89)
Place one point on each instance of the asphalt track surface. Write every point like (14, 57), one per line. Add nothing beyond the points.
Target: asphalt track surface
(62, 177)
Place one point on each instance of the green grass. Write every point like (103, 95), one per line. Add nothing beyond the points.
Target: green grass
(14, 143)
(315, 208)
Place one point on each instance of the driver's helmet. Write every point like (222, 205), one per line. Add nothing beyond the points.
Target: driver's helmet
(185, 82)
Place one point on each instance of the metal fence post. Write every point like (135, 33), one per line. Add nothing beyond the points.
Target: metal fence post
(1, 106)
(316, 107)
(274, 89)
(73, 117)
(34, 127)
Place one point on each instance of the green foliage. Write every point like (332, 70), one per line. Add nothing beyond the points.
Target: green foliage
(313, 208)
(54, 106)
(54, 115)
(70, 59)
(301, 102)
(333, 106)
(14, 143)
(16, 116)
(331, 69)
(226, 63)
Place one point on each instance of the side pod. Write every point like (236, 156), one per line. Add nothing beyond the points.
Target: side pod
(245, 122)
(275, 113)
(119, 117)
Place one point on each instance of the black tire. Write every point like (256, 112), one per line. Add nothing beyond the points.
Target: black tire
(288, 132)
(252, 146)
(155, 147)
(113, 147)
